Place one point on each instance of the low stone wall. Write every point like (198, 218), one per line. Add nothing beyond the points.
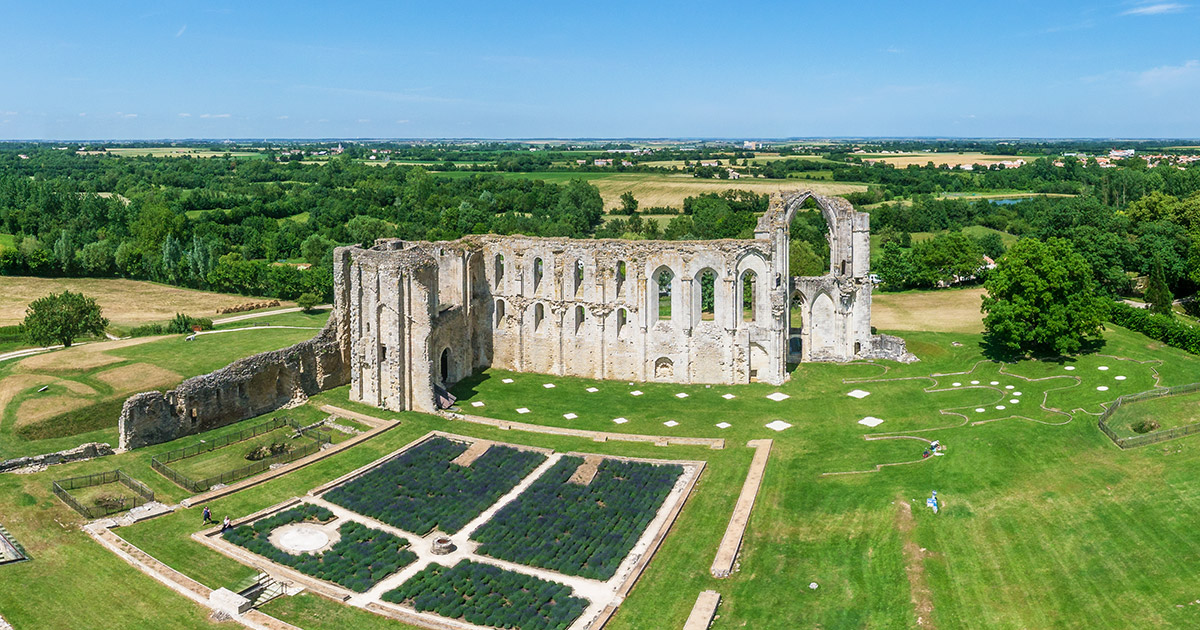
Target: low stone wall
(91, 450)
(889, 347)
(244, 389)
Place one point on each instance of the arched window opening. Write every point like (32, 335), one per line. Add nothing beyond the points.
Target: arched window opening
(499, 272)
(539, 314)
(578, 276)
(537, 273)
(445, 365)
(622, 319)
(708, 295)
(664, 367)
(795, 325)
(664, 278)
(499, 313)
(620, 275)
(749, 295)
(857, 347)
(580, 315)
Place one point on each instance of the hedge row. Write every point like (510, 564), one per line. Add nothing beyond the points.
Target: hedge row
(579, 530)
(421, 489)
(359, 560)
(486, 595)
(1164, 328)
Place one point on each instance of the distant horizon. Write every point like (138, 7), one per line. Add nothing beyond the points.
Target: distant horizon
(605, 139)
(422, 70)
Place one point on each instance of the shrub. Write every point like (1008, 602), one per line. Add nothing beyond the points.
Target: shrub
(147, 330)
(358, 561)
(575, 529)
(487, 595)
(1145, 426)
(1161, 327)
(421, 488)
(183, 324)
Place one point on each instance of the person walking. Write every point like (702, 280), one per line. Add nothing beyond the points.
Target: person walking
(208, 516)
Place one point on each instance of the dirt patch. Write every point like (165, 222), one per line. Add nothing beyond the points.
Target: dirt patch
(36, 409)
(914, 565)
(946, 310)
(139, 377)
(587, 470)
(85, 357)
(473, 452)
(124, 302)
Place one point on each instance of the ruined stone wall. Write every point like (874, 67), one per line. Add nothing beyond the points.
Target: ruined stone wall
(244, 389)
(426, 314)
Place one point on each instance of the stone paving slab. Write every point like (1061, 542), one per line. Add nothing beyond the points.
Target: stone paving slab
(703, 611)
(473, 452)
(732, 540)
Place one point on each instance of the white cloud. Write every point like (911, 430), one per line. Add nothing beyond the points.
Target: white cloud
(893, 50)
(214, 115)
(185, 115)
(123, 115)
(402, 122)
(283, 117)
(181, 31)
(1157, 8)
(364, 120)
(1164, 77)
(82, 114)
(8, 113)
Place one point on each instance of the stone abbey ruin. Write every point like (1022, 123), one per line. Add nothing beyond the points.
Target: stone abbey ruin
(413, 318)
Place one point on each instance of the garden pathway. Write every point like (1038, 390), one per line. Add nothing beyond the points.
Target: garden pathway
(238, 318)
(727, 552)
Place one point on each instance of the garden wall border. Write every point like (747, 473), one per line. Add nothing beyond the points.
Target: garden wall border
(596, 436)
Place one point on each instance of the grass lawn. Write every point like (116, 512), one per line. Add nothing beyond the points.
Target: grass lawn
(87, 385)
(1045, 523)
(1168, 412)
(944, 310)
(234, 456)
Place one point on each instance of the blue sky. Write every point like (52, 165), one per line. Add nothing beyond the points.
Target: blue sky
(113, 70)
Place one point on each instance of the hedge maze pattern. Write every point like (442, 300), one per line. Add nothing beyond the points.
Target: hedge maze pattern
(421, 488)
(486, 595)
(579, 530)
(358, 561)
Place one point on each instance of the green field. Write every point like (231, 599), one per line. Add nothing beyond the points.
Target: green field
(1168, 412)
(1044, 522)
(89, 383)
(181, 152)
(974, 231)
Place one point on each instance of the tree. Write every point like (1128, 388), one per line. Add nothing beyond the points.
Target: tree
(61, 317)
(307, 301)
(1042, 298)
(629, 204)
(1157, 294)
(315, 248)
(364, 229)
(892, 267)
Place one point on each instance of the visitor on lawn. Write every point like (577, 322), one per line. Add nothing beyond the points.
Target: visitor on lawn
(207, 516)
(227, 524)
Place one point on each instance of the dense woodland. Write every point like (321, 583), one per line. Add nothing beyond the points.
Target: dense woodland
(246, 224)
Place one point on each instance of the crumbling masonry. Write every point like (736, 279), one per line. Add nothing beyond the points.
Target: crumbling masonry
(422, 315)
(413, 317)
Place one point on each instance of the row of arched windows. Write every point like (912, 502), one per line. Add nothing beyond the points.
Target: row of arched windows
(664, 279)
(539, 316)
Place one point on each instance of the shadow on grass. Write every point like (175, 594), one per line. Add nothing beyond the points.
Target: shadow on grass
(992, 349)
(468, 387)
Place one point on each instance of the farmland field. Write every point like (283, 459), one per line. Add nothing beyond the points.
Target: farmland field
(944, 310)
(124, 302)
(948, 159)
(177, 152)
(655, 189)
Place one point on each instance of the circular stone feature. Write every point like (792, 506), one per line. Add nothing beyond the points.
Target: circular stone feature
(1103, 368)
(1102, 388)
(1069, 368)
(995, 382)
(1120, 378)
(957, 384)
(302, 538)
(1008, 387)
(1014, 401)
(974, 382)
(980, 410)
(1016, 393)
(1000, 407)
(442, 545)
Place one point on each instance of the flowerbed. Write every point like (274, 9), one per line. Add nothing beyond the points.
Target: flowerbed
(358, 561)
(421, 489)
(579, 530)
(486, 595)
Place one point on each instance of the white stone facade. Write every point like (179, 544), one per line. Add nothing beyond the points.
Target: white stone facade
(418, 315)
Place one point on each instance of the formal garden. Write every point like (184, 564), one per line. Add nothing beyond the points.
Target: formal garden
(422, 488)
(487, 595)
(359, 560)
(578, 529)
